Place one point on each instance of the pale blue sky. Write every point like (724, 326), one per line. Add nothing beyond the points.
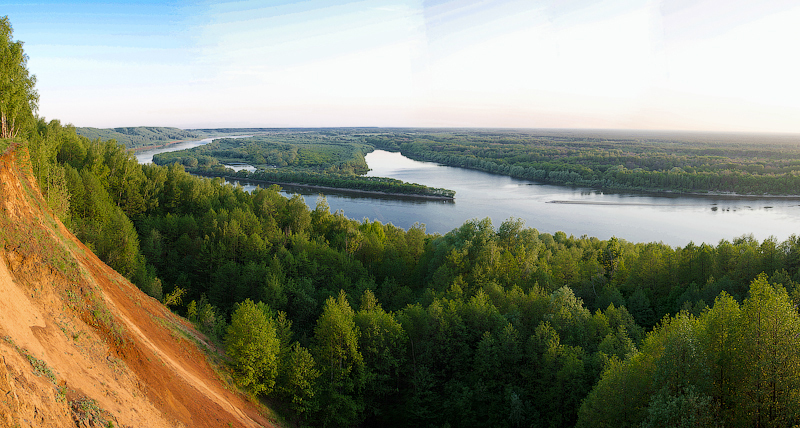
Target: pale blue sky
(721, 65)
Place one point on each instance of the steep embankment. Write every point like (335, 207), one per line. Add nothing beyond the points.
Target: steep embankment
(80, 345)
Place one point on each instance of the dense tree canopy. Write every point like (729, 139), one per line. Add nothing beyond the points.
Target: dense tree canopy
(140, 137)
(733, 365)
(313, 158)
(372, 325)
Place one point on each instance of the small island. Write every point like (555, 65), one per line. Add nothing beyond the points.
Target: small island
(319, 159)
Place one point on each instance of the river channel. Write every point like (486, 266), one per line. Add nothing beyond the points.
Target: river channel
(637, 217)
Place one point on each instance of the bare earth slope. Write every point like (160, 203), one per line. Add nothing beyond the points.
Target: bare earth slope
(82, 346)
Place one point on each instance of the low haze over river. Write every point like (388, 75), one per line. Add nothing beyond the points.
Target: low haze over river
(635, 217)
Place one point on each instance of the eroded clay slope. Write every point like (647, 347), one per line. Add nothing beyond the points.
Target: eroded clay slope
(82, 346)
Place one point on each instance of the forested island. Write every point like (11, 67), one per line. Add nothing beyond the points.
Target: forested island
(345, 322)
(323, 159)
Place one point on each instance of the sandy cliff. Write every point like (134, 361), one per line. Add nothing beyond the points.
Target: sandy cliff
(82, 346)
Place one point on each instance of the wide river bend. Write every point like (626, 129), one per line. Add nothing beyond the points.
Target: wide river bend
(636, 217)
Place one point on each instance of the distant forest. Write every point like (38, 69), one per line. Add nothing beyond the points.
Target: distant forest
(612, 160)
(313, 158)
(141, 136)
(358, 323)
(307, 151)
(618, 160)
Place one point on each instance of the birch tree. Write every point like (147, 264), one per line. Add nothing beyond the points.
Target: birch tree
(18, 97)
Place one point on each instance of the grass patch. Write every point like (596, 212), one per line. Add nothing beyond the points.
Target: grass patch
(86, 412)
(40, 368)
(61, 393)
(29, 240)
(90, 307)
(102, 319)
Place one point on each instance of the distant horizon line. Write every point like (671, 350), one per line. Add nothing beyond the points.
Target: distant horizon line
(551, 129)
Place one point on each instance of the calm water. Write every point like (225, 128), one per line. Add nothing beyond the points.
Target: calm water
(675, 220)
(146, 156)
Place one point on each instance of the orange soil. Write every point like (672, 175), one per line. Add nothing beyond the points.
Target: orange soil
(113, 353)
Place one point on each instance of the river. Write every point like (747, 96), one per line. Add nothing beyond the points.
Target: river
(636, 217)
(146, 156)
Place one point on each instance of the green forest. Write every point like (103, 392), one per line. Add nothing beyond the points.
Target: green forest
(313, 151)
(338, 322)
(320, 158)
(649, 161)
(357, 323)
(140, 137)
(639, 161)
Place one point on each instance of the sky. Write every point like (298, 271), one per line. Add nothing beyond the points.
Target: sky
(706, 65)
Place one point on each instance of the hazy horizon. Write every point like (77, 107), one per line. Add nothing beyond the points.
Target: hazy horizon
(583, 132)
(707, 65)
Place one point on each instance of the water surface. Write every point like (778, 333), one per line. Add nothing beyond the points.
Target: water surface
(635, 217)
(146, 156)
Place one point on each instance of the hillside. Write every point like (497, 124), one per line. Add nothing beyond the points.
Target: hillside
(80, 345)
(140, 137)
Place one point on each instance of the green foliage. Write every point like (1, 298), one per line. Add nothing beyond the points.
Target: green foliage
(734, 365)
(253, 345)
(18, 97)
(5, 143)
(325, 180)
(382, 343)
(479, 327)
(769, 328)
(175, 297)
(86, 412)
(341, 364)
(207, 318)
(140, 137)
(40, 368)
(315, 158)
(649, 161)
(688, 409)
(297, 380)
(316, 151)
(98, 221)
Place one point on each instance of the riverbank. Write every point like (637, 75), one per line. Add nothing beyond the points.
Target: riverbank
(678, 193)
